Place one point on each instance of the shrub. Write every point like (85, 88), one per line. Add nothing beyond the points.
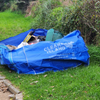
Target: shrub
(42, 13)
(89, 21)
(85, 16)
(82, 15)
(13, 6)
(46, 15)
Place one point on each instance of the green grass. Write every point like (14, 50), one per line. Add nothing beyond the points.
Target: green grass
(81, 83)
(13, 24)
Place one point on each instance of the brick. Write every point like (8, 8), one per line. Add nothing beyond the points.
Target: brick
(1, 77)
(13, 89)
(19, 96)
(7, 83)
(12, 96)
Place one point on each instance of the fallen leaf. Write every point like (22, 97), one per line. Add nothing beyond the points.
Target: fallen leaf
(50, 95)
(85, 91)
(53, 89)
(45, 90)
(9, 71)
(52, 86)
(45, 75)
(35, 81)
(71, 75)
(11, 98)
(31, 83)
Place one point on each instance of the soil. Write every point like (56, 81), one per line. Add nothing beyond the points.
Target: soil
(4, 92)
(4, 96)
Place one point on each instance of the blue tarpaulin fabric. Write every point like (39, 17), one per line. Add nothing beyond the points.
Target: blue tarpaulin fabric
(67, 52)
(16, 40)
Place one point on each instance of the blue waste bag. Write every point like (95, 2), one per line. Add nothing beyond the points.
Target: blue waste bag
(67, 52)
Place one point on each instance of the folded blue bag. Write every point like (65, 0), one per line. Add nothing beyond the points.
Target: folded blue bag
(61, 54)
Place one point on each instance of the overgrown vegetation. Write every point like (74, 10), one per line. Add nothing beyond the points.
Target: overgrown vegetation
(81, 15)
(89, 21)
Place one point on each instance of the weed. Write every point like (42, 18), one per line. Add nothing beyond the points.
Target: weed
(81, 15)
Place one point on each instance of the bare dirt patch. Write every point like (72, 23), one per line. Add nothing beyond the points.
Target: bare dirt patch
(8, 91)
(4, 92)
(5, 96)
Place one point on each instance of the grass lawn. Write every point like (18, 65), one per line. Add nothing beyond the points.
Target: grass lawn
(81, 83)
(12, 24)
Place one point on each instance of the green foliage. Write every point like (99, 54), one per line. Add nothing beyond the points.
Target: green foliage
(85, 17)
(43, 13)
(82, 15)
(58, 17)
(94, 54)
(90, 16)
(13, 6)
(55, 18)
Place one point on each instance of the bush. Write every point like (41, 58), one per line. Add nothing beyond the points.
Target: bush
(88, 20)
(82, 15)
(42, 13)
(13, 6)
